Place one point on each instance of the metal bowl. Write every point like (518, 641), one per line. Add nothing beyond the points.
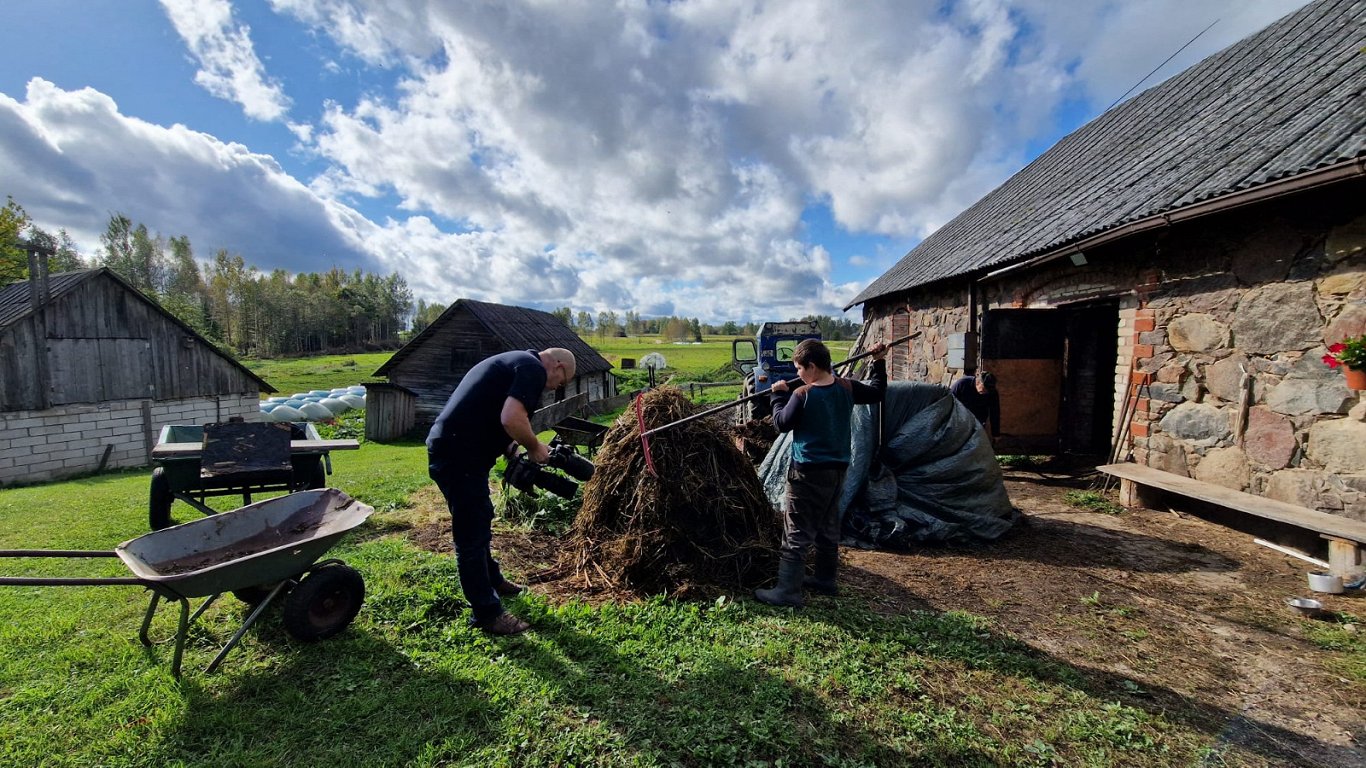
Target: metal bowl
(1305, 606)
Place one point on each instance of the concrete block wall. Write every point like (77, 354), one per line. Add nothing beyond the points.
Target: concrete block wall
(68, 440)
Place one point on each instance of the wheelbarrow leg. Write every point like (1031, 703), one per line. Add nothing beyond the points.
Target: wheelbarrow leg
(251, 619)
(147, 620)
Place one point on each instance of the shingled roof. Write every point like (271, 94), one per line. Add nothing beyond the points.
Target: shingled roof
(1280, 106)
(515, 328)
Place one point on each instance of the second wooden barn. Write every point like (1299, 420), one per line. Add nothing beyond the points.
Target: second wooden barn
(423, 374)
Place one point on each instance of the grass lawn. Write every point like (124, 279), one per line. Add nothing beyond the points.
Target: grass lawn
(659, 682)
(653, 683)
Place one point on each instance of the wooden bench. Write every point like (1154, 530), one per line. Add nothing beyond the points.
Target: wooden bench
(1345, 536)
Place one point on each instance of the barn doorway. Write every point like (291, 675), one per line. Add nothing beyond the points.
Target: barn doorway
(1055, 369)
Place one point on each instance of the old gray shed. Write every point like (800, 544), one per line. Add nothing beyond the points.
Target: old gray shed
(427, 369)
(1163, 281)
(91, 369)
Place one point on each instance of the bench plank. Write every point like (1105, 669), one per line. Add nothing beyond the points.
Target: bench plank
(1280, 511)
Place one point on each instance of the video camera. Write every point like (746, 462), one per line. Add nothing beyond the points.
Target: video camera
(525, 475)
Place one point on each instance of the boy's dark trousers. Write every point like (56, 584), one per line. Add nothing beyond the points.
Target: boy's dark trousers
(811, 516)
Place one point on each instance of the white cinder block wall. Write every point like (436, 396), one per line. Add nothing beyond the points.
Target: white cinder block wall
(67, 440)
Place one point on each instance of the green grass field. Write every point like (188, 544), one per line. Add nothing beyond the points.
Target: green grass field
(658, 682)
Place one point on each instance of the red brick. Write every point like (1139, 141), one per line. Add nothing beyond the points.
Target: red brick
(1143, 350)
(1145, 314)
(1138, 429)
(1142, 404)
(1144, 324)
(1139, 377)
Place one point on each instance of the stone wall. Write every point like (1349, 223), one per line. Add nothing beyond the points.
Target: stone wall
(1223, 322)
(37, 446)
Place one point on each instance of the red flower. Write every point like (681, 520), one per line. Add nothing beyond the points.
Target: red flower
(1331, 361)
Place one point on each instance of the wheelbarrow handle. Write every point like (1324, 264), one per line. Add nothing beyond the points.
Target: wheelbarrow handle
(57, 553)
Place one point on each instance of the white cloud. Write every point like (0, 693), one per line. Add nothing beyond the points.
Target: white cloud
(229, 67)
(82, 160)
(636, 155)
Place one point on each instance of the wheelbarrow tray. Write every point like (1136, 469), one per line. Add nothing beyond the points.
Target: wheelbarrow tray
(261, 543)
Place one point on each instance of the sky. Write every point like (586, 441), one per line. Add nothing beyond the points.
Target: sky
(718, 159)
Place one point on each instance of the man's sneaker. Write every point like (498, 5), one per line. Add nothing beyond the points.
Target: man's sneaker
(508, 589)
(505, 624)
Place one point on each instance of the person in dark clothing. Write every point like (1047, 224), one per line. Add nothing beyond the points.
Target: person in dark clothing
(979, 394)
(490, 408)
(819, 414)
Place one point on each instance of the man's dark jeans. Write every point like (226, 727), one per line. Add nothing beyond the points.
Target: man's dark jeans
(467, 497)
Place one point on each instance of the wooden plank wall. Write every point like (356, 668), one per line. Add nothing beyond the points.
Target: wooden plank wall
(389, 412)
(106, 343)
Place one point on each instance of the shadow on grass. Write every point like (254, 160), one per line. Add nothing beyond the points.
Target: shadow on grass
(350, 700)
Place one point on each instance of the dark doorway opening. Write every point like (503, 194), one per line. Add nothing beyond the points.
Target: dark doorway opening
(1055, 369)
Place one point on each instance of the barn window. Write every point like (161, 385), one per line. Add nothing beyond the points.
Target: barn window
(467, 355)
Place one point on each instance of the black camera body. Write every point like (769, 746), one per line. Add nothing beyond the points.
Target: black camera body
(526, 475)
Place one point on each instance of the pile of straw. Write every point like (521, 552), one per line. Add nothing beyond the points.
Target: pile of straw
(701, 518)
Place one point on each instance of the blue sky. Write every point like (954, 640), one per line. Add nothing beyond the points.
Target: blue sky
(721, 159)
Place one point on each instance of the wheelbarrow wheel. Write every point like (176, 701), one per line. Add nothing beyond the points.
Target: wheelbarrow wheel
(324, 603)
(159, 501)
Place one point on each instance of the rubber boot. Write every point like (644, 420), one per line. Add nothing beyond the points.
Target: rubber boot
(822, 582)
(788, 591)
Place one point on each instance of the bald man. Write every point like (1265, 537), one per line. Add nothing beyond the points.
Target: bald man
(491, 407)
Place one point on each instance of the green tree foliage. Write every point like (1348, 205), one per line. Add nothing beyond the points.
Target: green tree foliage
(13, 258)
(427, 314)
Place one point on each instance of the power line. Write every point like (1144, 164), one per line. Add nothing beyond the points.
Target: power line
(1160, 66)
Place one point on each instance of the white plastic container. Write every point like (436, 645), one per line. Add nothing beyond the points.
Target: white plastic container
(1325, 582)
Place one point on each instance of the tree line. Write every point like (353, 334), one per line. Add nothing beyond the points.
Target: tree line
(232, 303)
(673, 328)
(250, 312)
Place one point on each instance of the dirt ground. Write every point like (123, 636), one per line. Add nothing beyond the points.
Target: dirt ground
(1191, 611)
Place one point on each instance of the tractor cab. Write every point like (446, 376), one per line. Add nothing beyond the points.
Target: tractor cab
(768, 358)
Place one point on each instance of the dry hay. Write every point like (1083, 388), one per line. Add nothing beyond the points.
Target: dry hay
(755, 437)
(704, 520)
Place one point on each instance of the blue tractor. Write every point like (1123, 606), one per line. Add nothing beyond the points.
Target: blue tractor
(768, 358)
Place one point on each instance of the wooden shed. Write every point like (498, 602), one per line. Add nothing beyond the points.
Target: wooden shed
(1161, 284)
(430, 366)
(91, 369)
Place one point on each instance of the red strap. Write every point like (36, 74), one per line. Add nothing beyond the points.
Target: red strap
(644, 438)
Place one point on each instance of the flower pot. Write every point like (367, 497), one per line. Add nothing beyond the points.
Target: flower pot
(1356, 378)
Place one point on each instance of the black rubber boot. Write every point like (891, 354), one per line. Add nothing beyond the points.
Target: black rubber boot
(788, 591)
(822, 582)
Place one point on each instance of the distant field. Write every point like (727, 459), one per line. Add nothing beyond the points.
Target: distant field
(686, 362)
(301, 374)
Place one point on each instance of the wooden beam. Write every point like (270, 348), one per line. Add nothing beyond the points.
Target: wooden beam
(1310, 519)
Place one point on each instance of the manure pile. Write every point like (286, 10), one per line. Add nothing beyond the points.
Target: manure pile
(703, 520)
(755, 437)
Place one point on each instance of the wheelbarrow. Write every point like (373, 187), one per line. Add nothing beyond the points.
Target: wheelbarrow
(196, 462)
(271, 546)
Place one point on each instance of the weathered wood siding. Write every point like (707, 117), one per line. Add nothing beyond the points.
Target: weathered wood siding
(103, 342)
(390, 412)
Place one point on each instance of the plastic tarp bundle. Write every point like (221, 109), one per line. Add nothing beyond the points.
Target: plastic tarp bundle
(934, 478)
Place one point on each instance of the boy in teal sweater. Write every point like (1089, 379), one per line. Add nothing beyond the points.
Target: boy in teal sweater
(818, 414)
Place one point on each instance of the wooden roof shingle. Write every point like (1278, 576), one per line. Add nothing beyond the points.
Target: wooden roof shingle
(515, 328)
(1279, 104)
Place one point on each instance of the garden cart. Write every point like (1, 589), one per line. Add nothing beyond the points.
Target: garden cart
(196, 462)
(270, 547)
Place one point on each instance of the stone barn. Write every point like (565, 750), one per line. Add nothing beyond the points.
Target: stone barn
(423, 374)
(91, 369)
(1161, 284)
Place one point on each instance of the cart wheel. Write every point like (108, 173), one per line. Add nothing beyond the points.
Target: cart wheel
(159, 501)
(324, 603)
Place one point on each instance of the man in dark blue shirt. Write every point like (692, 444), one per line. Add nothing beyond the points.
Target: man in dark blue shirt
(978, 394)
(819, 415)
(489, 410)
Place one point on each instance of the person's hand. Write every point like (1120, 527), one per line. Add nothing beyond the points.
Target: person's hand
(779, 386)
(879, 350)
(540, 453)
